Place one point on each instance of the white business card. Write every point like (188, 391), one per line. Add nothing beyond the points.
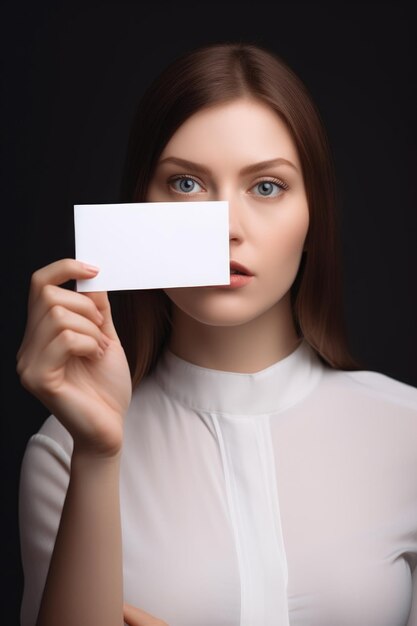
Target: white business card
(150, 245)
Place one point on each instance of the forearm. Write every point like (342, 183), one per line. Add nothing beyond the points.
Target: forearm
(84, 585)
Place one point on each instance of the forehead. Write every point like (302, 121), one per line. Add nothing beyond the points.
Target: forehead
(241, 131)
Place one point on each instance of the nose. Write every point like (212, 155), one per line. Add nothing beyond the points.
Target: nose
(236, 230)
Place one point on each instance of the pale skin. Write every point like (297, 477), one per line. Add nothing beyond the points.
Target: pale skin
(71, 358)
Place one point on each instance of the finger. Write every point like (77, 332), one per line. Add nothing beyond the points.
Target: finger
(137, 617)
(70, 343)
(54, 322)
(44, 375)
(102, 302)
(57, 273)
(51, 296)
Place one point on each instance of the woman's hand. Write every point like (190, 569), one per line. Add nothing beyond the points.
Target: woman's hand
(71, 358)
(136, 617)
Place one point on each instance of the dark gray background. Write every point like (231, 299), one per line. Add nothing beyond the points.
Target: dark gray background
(71, 78)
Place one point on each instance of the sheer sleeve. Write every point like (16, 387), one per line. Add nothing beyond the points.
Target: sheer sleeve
(44, 479)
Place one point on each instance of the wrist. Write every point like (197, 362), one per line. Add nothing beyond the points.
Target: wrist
(83, 457)
(110, 448)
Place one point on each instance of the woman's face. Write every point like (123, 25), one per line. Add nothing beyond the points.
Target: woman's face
(268, 212)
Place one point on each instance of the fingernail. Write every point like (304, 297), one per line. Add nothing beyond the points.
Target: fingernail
(90, 268)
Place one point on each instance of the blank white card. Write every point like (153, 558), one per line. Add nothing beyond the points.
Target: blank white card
(151, 245)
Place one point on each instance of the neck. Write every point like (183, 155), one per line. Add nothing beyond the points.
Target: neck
(245, 348)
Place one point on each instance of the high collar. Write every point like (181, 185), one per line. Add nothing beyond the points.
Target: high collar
(270, 390)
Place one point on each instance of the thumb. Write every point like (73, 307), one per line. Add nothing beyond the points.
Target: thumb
(102, 302)
(137, 617)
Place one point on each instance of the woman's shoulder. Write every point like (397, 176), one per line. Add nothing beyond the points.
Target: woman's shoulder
(374, 384)
(53, 437)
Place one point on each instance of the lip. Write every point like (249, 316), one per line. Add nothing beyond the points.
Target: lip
(234, 265)
(237, 280)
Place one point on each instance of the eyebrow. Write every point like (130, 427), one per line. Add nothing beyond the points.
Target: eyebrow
(249, 169)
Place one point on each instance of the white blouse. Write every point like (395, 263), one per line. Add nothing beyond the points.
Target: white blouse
(283, 497)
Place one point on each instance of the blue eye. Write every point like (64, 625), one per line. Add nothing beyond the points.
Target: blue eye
(266, 188)
(186, 184)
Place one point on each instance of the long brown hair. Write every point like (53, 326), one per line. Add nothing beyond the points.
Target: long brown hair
(215, 74)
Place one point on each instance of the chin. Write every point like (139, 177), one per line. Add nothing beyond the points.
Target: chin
(215, 312)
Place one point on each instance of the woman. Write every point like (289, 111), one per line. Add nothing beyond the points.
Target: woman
(253, 477)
